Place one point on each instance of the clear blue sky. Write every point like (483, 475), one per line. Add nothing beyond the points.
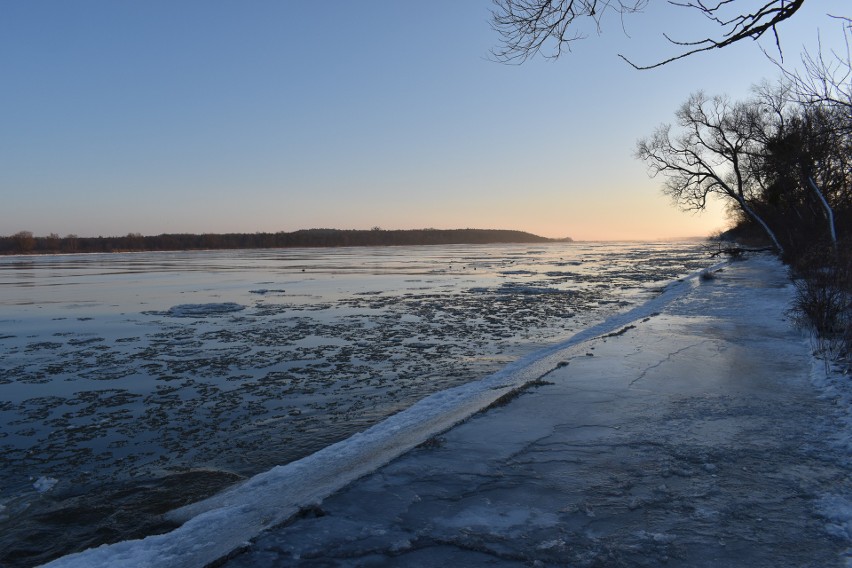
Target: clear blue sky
(121, 116)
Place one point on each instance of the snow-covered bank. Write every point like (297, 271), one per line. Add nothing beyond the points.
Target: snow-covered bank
(215, 527)
(836, 388)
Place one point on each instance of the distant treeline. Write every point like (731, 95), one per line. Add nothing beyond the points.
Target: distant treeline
(25, 242)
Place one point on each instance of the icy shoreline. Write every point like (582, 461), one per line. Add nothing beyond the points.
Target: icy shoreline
(214, 527)
(217, 526)
(694, 438)
(139, 386)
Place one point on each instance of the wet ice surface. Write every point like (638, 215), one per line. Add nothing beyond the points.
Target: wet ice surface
(694, 438)
(131, 384)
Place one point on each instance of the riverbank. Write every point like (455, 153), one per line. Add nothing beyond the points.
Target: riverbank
(691, 435)
(695, 438)
(26, 243)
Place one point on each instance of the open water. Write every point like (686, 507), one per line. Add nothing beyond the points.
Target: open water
(131, 384)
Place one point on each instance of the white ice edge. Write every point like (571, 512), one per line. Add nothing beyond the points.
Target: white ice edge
(217, 526)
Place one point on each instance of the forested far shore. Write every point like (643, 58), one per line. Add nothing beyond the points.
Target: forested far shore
(24, 242)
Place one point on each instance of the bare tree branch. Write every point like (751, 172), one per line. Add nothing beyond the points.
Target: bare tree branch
(530, 27)
(824, 78)
(526, 26)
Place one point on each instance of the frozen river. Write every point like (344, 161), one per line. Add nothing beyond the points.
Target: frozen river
(134, 383)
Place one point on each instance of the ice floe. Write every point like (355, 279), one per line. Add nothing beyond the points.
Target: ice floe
(204, 310)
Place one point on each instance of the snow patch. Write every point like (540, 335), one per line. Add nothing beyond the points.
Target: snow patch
(45, 484)
(837, 386)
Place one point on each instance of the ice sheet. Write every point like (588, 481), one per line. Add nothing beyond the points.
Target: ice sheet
(130, 408)
(215, 527)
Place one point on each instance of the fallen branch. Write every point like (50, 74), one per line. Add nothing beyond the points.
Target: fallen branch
(737, 252)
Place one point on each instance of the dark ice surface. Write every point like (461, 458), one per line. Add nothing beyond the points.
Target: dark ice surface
(694, 438)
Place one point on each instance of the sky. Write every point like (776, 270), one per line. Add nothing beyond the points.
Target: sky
(214, 116)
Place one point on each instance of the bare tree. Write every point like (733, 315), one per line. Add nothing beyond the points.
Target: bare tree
(822, 87)
(52, 241)
(71, 242)
(712, 155)
(24, 241)
(529, 27)
(824, 78)
(801, 166)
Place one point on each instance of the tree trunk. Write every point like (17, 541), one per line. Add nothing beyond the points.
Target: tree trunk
(829, 213)
(750, 212)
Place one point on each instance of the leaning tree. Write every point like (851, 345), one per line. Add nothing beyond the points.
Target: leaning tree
(712, 154)
(805, 169)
